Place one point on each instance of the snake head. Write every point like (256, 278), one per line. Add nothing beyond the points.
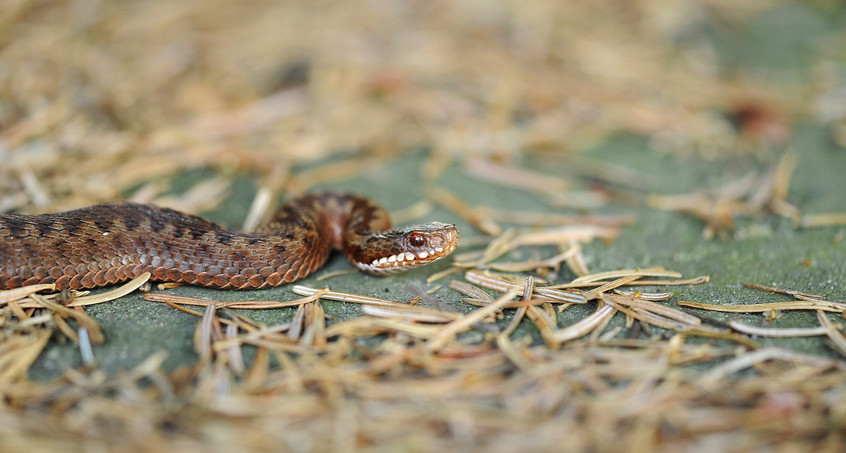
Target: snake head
(405, 248)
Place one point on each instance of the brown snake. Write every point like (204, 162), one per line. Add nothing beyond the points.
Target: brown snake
(110, 243)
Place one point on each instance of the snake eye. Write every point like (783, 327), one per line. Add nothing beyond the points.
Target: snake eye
(417, 240)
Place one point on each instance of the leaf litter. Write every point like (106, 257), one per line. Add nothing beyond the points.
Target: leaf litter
(426, 368)
(405, 374)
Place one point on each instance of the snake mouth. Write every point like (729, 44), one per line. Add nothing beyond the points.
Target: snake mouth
(421, 245)
(407, 260)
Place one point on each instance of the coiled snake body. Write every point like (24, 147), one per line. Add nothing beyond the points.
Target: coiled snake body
(110, 243)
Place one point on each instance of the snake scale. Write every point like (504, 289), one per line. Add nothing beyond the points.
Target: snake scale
(110, 243)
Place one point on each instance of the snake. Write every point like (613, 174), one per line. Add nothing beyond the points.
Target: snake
(110, 243)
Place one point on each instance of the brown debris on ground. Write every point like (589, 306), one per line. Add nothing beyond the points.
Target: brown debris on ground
(422, 385)
(112, 100)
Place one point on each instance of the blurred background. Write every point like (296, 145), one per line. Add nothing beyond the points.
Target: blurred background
(98, 98)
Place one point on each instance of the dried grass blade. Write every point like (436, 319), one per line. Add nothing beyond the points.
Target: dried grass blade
(268, 331)
(521, 312)
(596, 292)
(272, 183)
(266, 336)
(244, 323)
(151, 366)
(374, 326)
(202, 196)
(195, 312)
(64, 327)
(489, 281)
(297, 326)
(203, 339)
(648, 272)
(577, 263)
(585, 325)
(331, 173)
(823, 220)
(833, 332)
(19, 356)
(759, 308)
(579, 233)
(460, 208)
(116, 293)
(777, 332)
(544, 219)
(85, 350)
(259, 208)
(530, 265)
(36, 320)
(551, 314)
(674, 282)
(345, 297)
(244, 304)
(796, 294)
(486, 280)
(646, 316)
(236, 359)
(470, 290)
(687, 281)
(812, 298)
(316, 321)
(659, 309)
(508, 350)
(418, 315)
(779, 179)
(11, 295)
(18, 312)
(456, 326)
(79, 315)
(782, 175)
(499, 246)
(259, 370)
(534, 302)
(728, 335)
(559, 296)
(645, 296)
(517, 178)
(337, 273)
(762, 355)
(415, 211)
(545, 325)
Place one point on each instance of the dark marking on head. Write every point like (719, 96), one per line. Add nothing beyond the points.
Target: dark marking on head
(224, 237)
(45, 228)
(103, 223)
(72, 226)
(131, 222)
(157, 225)
(17, 229)
(198, 233)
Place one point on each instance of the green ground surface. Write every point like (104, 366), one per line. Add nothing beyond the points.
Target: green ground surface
(772, 251)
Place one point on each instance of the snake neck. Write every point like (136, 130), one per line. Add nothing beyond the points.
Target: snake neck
(362, 230)
(347, 220)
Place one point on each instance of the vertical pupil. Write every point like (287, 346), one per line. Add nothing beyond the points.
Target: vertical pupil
(417, 240)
